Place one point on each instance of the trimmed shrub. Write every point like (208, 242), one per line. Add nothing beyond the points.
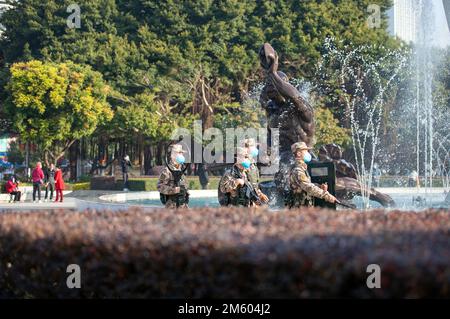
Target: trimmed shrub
(139, 185)
(80, 186)
(225, 253)
(150, 183)
(103, 183)
(402, 181)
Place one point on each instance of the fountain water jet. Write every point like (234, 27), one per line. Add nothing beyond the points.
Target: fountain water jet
(423, 98)
(364, 83)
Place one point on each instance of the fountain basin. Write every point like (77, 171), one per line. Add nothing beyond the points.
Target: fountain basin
(406, 199)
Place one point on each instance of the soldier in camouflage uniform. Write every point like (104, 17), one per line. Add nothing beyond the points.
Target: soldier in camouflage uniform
(232, 182)
(172, 182)
(253, 173)
(302, 191)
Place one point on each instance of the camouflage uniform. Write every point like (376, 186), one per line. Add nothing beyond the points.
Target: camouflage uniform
(166, 186)
(228, 192)
(252, 172)
(253, 177)
(302, 190)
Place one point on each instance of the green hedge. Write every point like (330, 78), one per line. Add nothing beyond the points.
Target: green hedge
(402, 181)
(150, 183)
(79, 186)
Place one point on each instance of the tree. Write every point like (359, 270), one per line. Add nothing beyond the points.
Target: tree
(209, 47)
(148, 120)
(14, 154)
(195, 56)
(53, 105)
(328, 130)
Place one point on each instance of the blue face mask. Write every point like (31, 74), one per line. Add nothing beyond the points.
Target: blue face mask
(254, 152)
(180, 159)
(307, 157)
(246, 163)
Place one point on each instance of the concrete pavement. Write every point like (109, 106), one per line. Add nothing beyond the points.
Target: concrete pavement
(69, 203)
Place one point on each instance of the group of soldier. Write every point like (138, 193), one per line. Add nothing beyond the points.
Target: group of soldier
(239, 186)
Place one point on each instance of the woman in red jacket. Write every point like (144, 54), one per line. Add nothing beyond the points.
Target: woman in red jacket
(59, 185)
(12, 188)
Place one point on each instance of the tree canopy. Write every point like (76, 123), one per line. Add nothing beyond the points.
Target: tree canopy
(208, 48)
(170, 62)
(56, 103)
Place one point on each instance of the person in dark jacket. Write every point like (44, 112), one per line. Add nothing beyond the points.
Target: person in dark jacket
(126, 166)
(49, 182)
(203, 175)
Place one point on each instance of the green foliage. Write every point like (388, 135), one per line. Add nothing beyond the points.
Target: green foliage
(169, 62)
(442, 80)
(238, 115)
(79, 186)
(141, 115)
(145, 115)
(149, 183)
(14, 154)
(138, 43)
(51, 103)
(328, 130)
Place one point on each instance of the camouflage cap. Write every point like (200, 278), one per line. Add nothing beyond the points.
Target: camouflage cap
(241, 152)
(299, 146)
(177, 148)
(249, 142)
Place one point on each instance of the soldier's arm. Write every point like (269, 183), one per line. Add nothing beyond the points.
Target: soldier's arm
(256, 184)
(228, 184)
(313, 190)
(258, 177)
(164, 186)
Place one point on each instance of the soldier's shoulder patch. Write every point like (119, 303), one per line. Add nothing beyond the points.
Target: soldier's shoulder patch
(299, 174)
(166, 172)
(297, 169)
(303, 177)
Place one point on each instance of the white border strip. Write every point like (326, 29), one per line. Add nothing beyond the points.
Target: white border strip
(153, 195)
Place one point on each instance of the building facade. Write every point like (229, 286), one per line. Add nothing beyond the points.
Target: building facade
(403, 20)
(407, 18)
